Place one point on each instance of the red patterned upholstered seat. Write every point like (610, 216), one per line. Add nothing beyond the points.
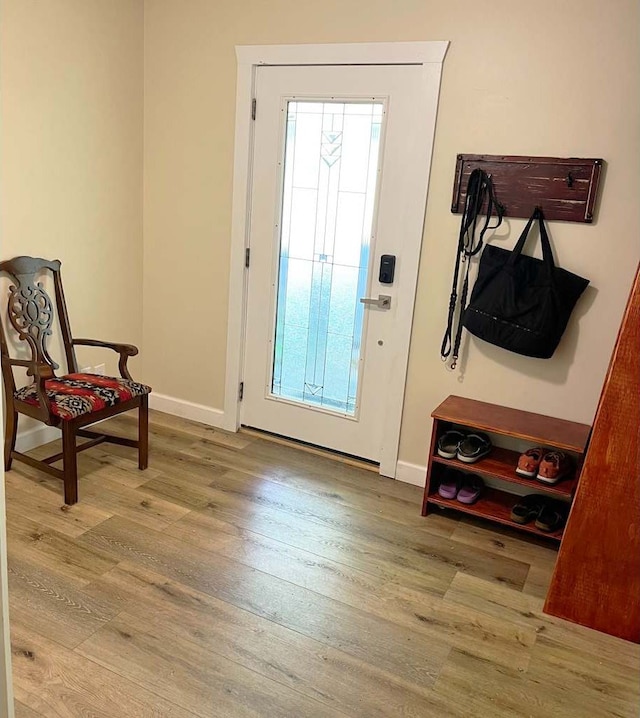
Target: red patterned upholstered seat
(76, 394)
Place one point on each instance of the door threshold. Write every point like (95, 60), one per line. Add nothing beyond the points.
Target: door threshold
(342, 458)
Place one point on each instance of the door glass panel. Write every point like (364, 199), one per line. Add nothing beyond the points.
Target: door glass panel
(329, 189)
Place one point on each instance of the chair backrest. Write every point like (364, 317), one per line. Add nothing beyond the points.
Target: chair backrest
(31, 311)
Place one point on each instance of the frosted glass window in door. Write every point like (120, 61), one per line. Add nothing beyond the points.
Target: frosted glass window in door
(329, 188)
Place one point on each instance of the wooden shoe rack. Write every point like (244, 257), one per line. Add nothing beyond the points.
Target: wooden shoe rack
(495, 504)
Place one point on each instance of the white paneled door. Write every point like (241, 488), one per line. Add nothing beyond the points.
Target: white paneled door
(337, 205)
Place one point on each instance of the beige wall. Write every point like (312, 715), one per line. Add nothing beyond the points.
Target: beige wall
(72, 167)
(543, 78)
(71, 140)
(71, 172)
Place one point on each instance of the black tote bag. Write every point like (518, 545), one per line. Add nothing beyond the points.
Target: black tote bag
(522, 303)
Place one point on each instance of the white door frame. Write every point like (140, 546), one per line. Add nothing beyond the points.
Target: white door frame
(430, 55)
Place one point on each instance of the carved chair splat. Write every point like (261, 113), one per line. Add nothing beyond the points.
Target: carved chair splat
(70, 402)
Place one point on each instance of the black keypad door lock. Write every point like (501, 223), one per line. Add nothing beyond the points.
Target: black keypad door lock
(387, 268)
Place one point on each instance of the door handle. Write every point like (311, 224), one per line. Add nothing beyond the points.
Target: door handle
(382, 302)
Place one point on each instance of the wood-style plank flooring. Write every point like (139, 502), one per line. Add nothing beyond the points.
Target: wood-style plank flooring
(240, 577)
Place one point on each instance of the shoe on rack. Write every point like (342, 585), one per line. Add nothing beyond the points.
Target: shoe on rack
(449, 442)
(527, 508)
(529, 462)
(450, 483)
(471, 489)
(473, 447)
(555, 465)
(552, 516)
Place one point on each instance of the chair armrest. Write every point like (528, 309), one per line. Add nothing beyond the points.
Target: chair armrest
(34, 369)
(21, 362)
(125, 351)
(40, 374)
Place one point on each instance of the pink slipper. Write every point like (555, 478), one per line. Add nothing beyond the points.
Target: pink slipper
(450, 483)
(471, 489)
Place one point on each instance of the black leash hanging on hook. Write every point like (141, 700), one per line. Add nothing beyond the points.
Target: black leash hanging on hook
(479, 187)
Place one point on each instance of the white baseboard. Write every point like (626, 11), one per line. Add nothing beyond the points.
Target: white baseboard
(38, 435)
(187, 410)
(411, 473)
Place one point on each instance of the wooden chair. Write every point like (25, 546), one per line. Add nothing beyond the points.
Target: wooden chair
(69, 402)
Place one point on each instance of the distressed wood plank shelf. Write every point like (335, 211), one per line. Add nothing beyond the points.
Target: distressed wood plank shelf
(565, 188)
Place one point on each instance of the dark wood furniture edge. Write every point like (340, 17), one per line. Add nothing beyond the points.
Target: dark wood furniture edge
(596, 581)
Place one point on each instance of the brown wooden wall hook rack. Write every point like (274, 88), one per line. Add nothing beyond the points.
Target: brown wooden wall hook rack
(565, 189)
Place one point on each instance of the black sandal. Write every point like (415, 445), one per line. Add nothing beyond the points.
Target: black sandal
(449, 442)
(527, 508)
(473, 447)
(552, 516)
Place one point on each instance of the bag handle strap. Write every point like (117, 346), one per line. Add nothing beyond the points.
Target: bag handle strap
(547, 254)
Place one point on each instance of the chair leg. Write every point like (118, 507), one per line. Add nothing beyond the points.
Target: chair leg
(143, 433)
(70, 463)
(11, 430)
